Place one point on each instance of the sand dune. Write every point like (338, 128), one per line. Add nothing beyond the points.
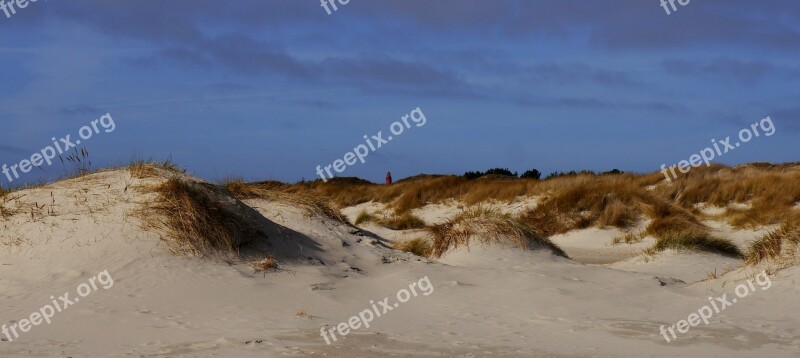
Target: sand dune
(488, 300)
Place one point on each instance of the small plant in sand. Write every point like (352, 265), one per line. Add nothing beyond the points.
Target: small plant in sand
(79, 159)
(418, 246)
(304, 314)
(629, 238)
(487, 226)
(265, 265)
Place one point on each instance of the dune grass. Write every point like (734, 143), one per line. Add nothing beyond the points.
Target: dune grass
(365, 217)
(195, 222)
(405, 221)
(487, 226)
(271, 191)
(772, 191)
(141, 169)
(418, 246)
(693, 241)
(629, 238)
(583, 201)
(776, 245)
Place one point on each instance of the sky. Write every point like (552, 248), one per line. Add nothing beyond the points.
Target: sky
(271, 89)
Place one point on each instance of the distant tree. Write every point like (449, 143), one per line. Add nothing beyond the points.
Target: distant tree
(572, 173)
(473, 175)
(614, 171)
(532, 174)
(501, 171)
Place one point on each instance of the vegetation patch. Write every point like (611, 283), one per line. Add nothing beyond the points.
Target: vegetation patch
(419, 246)
(405, 221)
(487, 226)
(196, 218)
(692, 241)
(779, 245)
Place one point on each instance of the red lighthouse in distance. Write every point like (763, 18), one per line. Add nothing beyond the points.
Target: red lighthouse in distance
(388, 178)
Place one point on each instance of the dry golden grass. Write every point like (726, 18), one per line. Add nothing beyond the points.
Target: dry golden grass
(365, 217)
(584, 200)
(196, 222)
(267, 264)
(692, 241)
(272, 191)
(772, 190)
(413, 193)
(405, 221)
(419, 246)
(581, 201)
(629, 238)
(778, 245)
(141, 169)
(487, 227)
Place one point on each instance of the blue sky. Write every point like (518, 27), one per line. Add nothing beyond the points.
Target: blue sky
(271, 89)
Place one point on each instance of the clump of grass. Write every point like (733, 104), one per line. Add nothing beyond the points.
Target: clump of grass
(629, 238)
(365, 217)
(142, 170)
(775, 245)
(196, 220)
(692, 241)
(240, 189)
(147, 169)
(405, 221)
(267, 264)
(487, 226)
(79, 159)
(418, 246)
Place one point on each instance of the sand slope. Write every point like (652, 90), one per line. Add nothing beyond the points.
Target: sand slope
(487, 301)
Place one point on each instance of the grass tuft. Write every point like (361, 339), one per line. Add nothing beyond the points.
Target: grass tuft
(487, 227)
(780, 245)
(405, 221)
(195, 219)
(266, 264)
(365, 217)
(419, 246)
(693, 241)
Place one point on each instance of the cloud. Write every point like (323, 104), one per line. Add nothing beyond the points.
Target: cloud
(596, 104)
(576, 73)
(10, 149)
(79, 110)
(747, 72)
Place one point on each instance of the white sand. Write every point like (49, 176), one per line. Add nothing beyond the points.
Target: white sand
(488, 301)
